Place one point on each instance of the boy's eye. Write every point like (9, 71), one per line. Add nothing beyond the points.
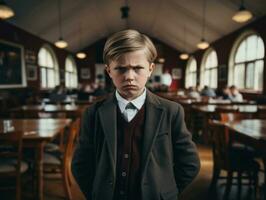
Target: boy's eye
(136, 69)
(121, 69)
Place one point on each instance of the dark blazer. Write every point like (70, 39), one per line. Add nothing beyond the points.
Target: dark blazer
(169, 160)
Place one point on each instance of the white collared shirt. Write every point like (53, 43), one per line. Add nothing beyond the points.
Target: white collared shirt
(138, 103)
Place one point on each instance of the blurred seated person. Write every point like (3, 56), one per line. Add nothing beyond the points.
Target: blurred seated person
(166, 80)
(100, 90)
(235, 95)
(225, 93)
(193, 93)
(84, 92)
(58, 94)
(207, 92)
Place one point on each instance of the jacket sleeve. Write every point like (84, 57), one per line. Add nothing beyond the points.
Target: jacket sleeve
(83, 162)
(186, 159)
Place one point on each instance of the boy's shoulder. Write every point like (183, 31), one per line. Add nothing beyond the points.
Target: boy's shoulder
(165, 102)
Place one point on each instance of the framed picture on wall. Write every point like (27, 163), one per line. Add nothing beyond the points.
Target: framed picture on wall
(31, 72)
(85, 73)
(30, 56)
(176, 73)
(12, 65)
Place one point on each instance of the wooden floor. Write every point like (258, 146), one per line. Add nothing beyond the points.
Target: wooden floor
(198, 190)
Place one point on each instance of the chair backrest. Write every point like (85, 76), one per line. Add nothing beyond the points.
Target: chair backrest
(11, 148)
(220, 144)
(73, 133)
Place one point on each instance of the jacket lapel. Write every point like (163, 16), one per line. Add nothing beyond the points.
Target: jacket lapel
(153, 118)
(108, 118)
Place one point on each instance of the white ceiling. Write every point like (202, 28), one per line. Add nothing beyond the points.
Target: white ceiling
(161, 19)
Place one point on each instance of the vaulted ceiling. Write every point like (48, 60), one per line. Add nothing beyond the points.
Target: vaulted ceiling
(86, 21)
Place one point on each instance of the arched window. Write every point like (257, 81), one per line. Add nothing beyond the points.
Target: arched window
(191, 73)
(246, 62)
(209, 66)
(49, 73)
(71, 76)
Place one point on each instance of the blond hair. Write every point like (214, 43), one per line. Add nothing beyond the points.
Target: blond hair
(128, 41)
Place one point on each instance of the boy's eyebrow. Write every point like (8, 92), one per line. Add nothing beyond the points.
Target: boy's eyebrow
(128, 67)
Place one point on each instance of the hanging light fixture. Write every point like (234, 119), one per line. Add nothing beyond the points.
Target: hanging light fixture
(184, 55)
(203, 44)
(242, 15)
(5, 11)
(125, 12)
(80, 54)
(60, 43)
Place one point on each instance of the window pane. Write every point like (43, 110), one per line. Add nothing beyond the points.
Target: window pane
(51, 79)
(241, 53)
(206, 77)
(43, 78)
(213, 78)
(49, 61)
(239, 76)
(260, 49)
(69, 65)
(190, 78)
(194, 79)
(67, 79)
(193, 66)
(250, 75)
(41, 57)
(251, 47)
(258, 76)
(210, 78)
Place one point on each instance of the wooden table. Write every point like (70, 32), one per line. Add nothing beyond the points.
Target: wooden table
(212, 111)
(37, 132)
(71, 111)
(251, 132)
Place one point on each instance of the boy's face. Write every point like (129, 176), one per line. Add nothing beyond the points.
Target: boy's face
(130, 73)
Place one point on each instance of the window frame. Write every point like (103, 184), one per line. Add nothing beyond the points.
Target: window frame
(203, 68)
(231, 81)
(55, 68)
(73, 73)
(189, 72)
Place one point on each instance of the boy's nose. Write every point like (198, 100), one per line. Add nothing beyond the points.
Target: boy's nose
(129, 74)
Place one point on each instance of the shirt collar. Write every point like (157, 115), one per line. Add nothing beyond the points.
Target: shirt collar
(138, 102)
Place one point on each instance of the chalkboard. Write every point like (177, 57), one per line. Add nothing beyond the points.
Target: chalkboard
(12, 65)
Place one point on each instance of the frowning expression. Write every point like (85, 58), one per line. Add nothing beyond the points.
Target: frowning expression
(130, 73)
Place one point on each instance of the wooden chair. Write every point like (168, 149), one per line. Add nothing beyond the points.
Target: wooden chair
(61, 161)
(11, 164)
(227, 157)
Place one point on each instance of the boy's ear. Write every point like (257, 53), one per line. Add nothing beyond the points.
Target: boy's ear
(151, 68)
(107, 68)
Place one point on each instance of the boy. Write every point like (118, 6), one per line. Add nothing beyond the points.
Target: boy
(134, 144)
